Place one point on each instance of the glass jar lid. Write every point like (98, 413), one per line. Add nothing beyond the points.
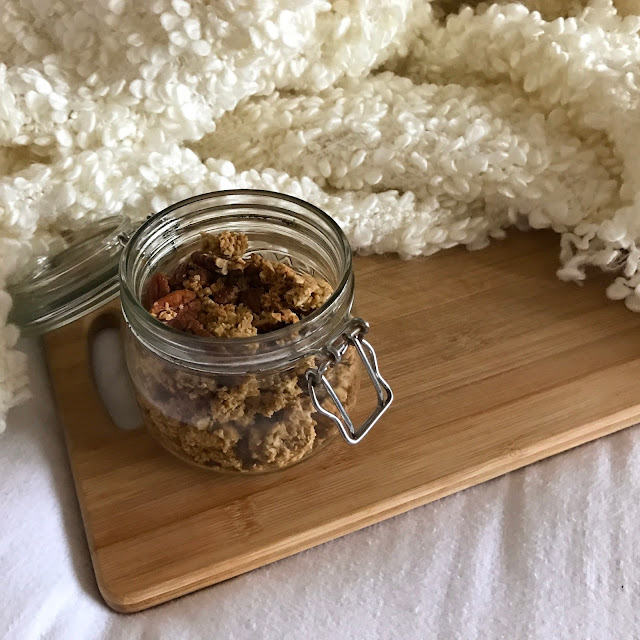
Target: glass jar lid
(55, 290)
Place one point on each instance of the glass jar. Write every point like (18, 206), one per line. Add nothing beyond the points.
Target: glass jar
(256, 404)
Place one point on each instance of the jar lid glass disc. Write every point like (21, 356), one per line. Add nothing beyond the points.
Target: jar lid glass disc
(54, 290)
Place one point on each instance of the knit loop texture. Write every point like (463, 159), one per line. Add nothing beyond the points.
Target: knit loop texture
(417, 125)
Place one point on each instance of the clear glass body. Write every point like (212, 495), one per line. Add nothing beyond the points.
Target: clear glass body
(238, 405)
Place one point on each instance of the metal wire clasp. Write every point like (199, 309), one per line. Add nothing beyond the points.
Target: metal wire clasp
(352, 335)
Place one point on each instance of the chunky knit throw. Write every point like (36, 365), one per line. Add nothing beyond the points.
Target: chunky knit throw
(417, 125)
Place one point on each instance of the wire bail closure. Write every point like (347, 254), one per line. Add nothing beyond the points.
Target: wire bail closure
(353, 334)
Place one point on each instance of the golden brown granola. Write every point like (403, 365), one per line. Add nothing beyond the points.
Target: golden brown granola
(255, 422)
(219, 292)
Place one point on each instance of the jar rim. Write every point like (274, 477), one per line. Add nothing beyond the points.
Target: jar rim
(132, 305)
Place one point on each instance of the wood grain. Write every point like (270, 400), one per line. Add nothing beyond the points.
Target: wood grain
(494, 363)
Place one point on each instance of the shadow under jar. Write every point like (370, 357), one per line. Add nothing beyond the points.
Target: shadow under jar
(259, 403)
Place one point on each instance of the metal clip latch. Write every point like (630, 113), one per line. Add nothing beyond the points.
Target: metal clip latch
(352, 335)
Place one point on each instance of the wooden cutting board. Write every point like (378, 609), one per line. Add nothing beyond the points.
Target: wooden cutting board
(494, 363)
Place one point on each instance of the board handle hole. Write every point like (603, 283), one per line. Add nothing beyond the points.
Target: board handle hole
(111, 376)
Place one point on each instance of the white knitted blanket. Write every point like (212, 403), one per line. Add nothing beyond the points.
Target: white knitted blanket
(415, 130)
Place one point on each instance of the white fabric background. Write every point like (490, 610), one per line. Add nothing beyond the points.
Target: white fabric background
(547, 552)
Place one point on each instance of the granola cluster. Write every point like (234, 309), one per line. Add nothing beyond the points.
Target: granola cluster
(256, 422)
(218, 292)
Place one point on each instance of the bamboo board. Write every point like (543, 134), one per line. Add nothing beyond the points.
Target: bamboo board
(494, 363)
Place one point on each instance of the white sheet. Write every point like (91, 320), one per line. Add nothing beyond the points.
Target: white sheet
(547, 552)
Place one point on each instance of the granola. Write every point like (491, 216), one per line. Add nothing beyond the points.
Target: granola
(255, 422)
